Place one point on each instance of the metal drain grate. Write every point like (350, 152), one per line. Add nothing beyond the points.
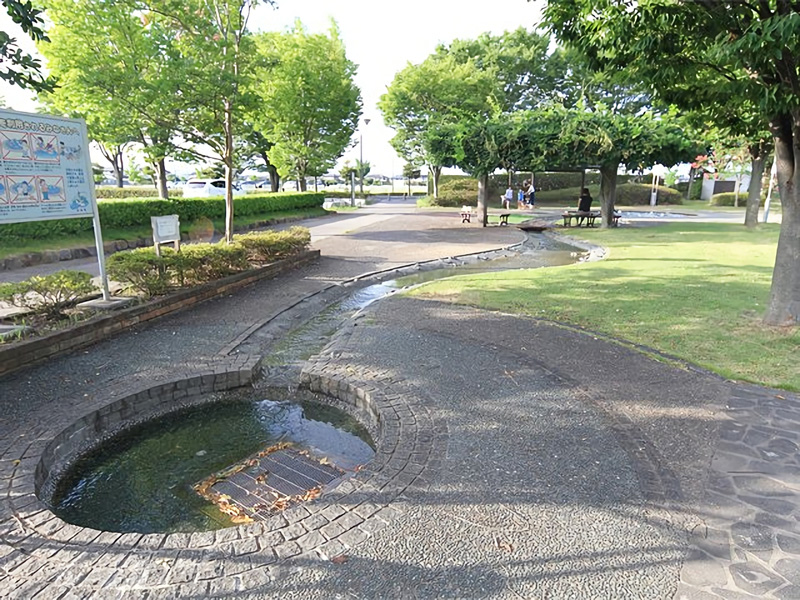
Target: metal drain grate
(271, 481)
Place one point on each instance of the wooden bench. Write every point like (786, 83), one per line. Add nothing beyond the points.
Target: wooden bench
(503, 219)
(588, 217)
(466, 214)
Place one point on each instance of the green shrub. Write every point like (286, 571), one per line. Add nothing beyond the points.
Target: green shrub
(141, 270)
(729, 199)
(136, 212)
(199, 263)
(266, 246)
(48, 294)
(456, 193)
(697, 188)
(637, 194)
(132, 192)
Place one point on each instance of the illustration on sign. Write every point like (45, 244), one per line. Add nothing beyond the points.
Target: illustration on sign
(15, 145)
(45, 148)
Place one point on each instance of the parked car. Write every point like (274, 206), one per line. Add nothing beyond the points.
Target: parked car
(204, 188)
(255, 184)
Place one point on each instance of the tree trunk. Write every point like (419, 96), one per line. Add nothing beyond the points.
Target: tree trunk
(692, 173)
(608, 194)
(784, 301)
(583, 179)
(302, 183)
(758, 153)
(435, 172)
(227, 159)
(483, 198)
(274, 178)
(118, 171)
(160, 169)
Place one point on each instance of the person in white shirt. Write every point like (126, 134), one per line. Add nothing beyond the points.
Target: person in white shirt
(508, 198)
(531, 193)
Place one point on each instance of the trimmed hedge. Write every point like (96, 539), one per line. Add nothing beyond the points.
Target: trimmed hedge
(458, 190)
(115, 193)
(729, 198)
(636, 194)
(136, 212)
(266, 246)
(152, 275)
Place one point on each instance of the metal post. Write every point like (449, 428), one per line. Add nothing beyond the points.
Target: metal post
(772, 173)
(654, 190)
(352, 188)
(98, 242)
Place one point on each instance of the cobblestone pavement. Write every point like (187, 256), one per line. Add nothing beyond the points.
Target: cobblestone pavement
(516, 458)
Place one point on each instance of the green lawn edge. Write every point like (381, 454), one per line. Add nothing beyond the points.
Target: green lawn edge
(695, 291)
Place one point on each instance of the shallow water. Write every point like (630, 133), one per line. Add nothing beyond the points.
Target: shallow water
(141, 481)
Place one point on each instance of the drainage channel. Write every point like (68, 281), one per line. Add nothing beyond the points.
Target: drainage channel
(327, 313)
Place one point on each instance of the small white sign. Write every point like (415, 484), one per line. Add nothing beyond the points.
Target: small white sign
(166, 229)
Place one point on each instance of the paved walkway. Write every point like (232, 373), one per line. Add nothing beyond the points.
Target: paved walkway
(533, 460)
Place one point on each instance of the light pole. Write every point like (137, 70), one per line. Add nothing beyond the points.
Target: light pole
(361, 160)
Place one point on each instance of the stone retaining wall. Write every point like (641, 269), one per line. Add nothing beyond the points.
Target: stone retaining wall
(21, 354)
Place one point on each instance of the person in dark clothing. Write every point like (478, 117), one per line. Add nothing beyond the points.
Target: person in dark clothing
(585, 201)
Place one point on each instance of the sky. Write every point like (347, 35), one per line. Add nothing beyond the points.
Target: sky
(381, 38)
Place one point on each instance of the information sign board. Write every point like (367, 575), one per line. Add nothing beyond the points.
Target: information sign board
(166, 229)
(45, 168)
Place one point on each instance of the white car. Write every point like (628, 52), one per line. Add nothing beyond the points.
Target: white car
(205, 188)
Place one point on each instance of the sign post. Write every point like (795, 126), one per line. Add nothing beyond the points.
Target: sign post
(46, 173)
(166, 229)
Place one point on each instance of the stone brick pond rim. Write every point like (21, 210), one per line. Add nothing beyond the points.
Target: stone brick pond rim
(406, 437)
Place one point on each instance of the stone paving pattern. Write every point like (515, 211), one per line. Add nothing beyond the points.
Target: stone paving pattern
(517, 458)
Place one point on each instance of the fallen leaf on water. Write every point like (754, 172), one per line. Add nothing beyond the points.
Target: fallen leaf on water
(779, 397)
(239, 519)
(325, 461)
(339, 560)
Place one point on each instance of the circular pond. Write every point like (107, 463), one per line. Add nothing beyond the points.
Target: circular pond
(212, 466)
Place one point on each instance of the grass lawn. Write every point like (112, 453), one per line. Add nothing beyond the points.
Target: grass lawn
(693, 290)
(11, 247)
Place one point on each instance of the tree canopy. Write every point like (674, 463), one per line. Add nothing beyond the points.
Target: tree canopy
(308, 103)
(18, 67)
(752, 50)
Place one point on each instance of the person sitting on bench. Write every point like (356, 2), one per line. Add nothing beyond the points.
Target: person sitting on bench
(585, 201)
(584, 204)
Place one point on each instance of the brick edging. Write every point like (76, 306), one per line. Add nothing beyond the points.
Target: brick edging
(29, 352)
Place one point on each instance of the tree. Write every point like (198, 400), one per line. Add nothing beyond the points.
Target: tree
(17, 67)
(753, 47)
(438, 91)
(309, 104)
(253, 145)
(362, 170)
(525, 72)
(119, 70)
(210, 37)
(410, 171)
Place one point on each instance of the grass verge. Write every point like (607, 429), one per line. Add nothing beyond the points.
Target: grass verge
(693, 290)
(202, 230)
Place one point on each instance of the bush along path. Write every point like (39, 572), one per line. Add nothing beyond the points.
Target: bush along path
(48, 301)
(126, 224)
